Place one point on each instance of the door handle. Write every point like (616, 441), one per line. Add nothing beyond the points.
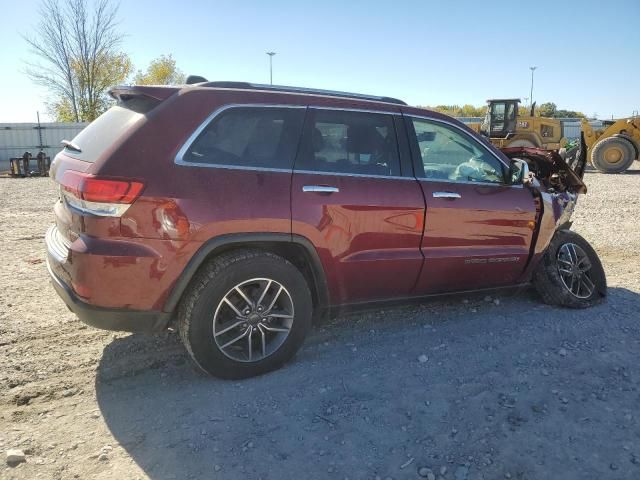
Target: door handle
(446, 195)
(320, 189)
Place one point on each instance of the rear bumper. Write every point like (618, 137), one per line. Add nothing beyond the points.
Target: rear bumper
(109, 318)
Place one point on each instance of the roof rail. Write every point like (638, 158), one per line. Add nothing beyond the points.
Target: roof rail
(287, 89)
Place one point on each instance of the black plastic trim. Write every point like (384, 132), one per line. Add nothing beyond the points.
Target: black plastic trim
(246, 240)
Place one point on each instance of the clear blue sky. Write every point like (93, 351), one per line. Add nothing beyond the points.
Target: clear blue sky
(425, 52)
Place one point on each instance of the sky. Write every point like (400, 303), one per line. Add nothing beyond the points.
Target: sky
(424, 52)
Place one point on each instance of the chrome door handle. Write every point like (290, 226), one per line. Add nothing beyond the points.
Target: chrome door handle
(320, 189)
(446, 195)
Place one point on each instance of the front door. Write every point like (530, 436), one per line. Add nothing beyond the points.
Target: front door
(351, 199)
(478, 227)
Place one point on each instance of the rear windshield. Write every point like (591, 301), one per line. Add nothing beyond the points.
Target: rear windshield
(107, 129)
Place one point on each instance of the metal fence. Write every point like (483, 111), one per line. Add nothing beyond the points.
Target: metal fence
(17, 138)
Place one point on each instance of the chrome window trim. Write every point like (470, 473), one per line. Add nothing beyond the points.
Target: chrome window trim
(359, 175)
(470, 182)
(236, 167)
(179, 159)
(356, 110)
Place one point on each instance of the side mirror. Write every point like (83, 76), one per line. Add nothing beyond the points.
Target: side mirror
(519, 172)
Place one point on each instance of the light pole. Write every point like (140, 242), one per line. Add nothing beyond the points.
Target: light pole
(533, 69)
(271, 54)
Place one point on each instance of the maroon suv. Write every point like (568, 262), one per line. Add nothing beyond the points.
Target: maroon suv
(239, 212)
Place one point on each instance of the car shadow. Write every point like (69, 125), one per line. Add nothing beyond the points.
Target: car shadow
(358, 401)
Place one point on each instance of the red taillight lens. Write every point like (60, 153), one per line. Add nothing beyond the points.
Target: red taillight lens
(102, 190)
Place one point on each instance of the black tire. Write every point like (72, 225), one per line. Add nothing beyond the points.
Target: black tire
(613, 155)
(213, 283)
(550, 285)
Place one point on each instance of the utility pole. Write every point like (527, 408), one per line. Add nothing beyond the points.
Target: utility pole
(271, 54)
(533, 69)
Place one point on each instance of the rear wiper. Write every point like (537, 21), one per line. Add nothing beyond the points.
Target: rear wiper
(71, 146)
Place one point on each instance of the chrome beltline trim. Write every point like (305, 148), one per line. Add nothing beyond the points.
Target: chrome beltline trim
(359, 175)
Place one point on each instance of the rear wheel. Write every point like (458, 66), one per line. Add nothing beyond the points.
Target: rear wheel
(612, 155)
(570, 273)
(246, 313)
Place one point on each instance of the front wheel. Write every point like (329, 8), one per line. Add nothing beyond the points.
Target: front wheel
(245, 314)
(570, 274)
(613, 155)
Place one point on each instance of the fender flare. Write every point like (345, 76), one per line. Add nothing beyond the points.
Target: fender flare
(247, 240)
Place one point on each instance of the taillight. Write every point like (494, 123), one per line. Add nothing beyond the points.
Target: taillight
(99, 196)
(96, 189)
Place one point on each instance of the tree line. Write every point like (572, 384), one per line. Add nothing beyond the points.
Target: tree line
(548, 109)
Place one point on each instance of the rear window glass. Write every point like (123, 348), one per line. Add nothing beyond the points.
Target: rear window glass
(107, 129)
(249, 137)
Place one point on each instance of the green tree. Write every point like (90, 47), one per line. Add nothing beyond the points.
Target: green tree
(79, 57)
(161, 71)
(548, 109)
(458, 111)
(569, 114)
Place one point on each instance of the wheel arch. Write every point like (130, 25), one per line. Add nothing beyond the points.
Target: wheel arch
(296, 249)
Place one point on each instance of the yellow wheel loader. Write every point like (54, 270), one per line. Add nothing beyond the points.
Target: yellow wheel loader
(613, 148)
(506, 128)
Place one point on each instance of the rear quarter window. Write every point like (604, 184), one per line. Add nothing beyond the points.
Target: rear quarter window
(258, 137)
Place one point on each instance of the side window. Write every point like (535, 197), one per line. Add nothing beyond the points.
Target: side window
(449, 154)
(349, 142)
(249, 137)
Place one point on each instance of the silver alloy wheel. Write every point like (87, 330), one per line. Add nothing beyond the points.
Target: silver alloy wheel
(253, 320)
(574, 268)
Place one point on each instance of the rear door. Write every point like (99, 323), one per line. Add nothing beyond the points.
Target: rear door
(478, 227)
(351, 198)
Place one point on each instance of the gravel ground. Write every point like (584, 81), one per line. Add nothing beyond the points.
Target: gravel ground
(467, 387)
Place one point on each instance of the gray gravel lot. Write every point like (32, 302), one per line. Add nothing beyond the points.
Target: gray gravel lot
(465, 387)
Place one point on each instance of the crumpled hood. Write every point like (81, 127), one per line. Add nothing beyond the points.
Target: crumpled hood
(549, 168)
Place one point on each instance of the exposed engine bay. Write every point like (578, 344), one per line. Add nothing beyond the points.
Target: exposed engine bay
(550, 169)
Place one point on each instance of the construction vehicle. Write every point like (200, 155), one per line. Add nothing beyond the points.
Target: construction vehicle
(611, 149)
(506, 128)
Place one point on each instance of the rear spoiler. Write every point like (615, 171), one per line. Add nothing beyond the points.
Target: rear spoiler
(156, 92)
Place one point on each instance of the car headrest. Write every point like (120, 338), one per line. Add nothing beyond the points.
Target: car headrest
(317, 141)
(364, 139)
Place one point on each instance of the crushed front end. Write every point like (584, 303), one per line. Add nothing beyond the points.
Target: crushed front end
(556, 186)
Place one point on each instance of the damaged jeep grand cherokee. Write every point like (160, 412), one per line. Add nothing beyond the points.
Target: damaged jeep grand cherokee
(237, 213)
